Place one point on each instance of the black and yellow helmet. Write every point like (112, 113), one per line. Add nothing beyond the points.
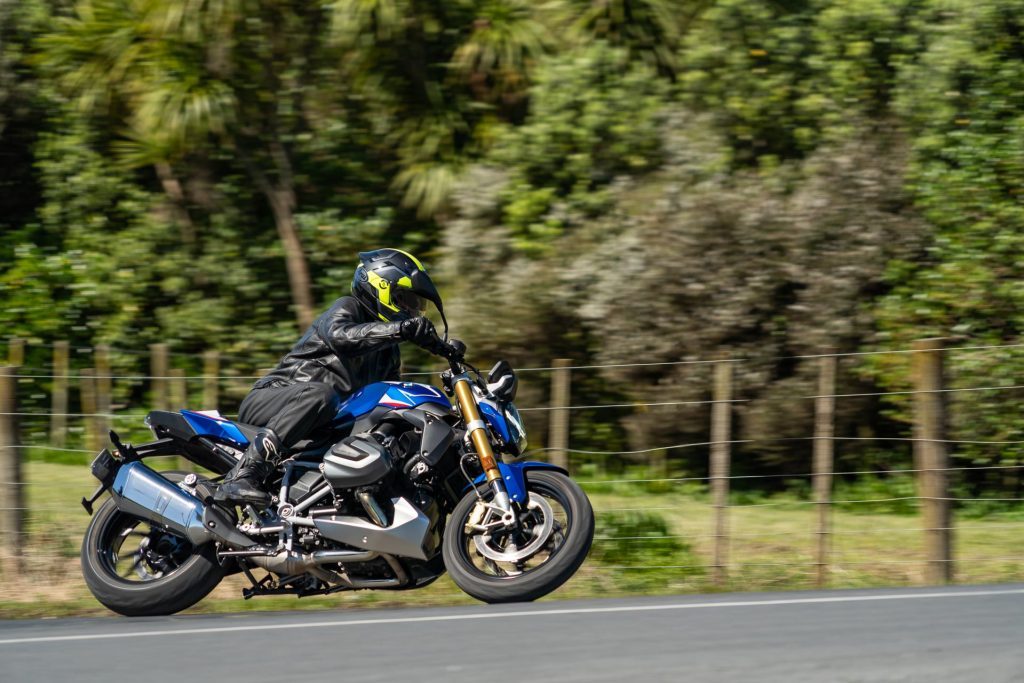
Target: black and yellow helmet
(393, 285)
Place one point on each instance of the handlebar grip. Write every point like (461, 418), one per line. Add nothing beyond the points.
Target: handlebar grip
(456, 348)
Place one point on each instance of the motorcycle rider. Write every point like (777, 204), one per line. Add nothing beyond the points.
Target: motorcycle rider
(352, 344)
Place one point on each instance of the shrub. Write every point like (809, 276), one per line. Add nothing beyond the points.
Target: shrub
(643, 539)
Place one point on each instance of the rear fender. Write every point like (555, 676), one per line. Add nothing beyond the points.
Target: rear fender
(514, 476)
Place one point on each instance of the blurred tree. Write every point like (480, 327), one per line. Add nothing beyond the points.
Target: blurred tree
(22, 105)
(496, 59)
(963, 103)
(649, 30)
(591, 121)
(441, 74)
(780, 78)
(593, 118)
(183, 77)
(697, 263)
(608, 180)
(745, 63)
(861, 48)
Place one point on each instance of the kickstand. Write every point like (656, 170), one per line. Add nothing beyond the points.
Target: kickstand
(256, 585)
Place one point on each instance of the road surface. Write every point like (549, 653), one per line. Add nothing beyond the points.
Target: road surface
(973, 634)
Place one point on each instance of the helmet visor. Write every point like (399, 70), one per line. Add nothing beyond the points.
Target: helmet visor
(409, 302)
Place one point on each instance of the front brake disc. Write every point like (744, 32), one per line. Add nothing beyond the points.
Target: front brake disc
(487, 546)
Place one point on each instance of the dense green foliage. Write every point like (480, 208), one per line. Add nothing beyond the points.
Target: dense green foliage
(610, 181)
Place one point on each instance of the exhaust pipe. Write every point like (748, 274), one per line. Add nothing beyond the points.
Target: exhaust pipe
(290, 562)
(140, 491)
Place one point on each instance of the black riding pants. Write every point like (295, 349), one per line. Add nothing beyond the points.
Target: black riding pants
(292, 410)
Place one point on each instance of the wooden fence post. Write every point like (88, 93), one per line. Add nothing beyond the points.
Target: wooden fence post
(178, 390)
(558, 425)
(211, 383)
(12, 492)
(104, 382)
(87, 387)
(15, 352)
(721, 431)
(158, 367)
(59, 397)
(179, 399)
(824, 449)
(931, 458)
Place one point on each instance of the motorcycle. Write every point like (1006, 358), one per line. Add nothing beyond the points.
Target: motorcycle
(403, 486)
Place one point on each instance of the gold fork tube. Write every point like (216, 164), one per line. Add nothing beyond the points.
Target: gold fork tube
(478, 435)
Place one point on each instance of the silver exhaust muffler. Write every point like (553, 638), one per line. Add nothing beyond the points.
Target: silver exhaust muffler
(140, 491)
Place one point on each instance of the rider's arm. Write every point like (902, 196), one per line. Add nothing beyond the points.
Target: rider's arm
(348, 337)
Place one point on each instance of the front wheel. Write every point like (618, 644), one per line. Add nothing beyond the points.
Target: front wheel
(555, 530)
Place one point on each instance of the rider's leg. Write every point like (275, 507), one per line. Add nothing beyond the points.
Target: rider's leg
(290, 413)
(244, 482)
(292, 410)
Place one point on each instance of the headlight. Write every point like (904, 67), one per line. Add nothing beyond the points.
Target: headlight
(516, 429)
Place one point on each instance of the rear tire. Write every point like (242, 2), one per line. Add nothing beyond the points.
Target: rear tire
(156, 591)
(461, 558)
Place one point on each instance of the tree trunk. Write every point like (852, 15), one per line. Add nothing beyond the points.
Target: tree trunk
(282, 203)
(281, 196)
(172, 186)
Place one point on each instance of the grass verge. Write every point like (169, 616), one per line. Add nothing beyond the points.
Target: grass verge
(646, 543)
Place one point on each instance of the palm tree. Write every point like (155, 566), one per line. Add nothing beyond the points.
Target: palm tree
(649, 29)
(440, 69)
(184, 77)
(506, 39)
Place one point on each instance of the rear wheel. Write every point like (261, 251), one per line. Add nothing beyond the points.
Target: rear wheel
(556, 528)
(137, 568)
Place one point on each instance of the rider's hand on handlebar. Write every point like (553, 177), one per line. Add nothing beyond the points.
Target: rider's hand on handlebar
(455, 350)
(421, 332)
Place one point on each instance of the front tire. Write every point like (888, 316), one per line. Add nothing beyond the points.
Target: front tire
(498, 569)
(138, 569)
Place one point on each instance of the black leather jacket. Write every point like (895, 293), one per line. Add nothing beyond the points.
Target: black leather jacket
(344, 348)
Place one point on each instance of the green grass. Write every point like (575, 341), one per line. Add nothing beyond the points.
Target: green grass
(646, 543)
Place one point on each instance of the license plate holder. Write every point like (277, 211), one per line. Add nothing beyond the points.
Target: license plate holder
(104, 466)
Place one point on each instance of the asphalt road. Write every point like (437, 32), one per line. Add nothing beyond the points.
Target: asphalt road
(935, 634)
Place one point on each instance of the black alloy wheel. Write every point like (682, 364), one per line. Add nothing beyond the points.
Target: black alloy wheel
(138, 568)
(556, 528)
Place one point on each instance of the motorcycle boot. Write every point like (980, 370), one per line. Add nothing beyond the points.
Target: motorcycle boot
(244, 483)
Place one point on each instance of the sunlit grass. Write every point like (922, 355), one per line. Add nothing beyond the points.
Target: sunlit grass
(772, 547)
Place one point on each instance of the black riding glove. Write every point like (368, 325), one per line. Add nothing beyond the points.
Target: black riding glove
(421, 332)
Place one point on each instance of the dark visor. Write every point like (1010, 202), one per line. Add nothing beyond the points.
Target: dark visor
(408, 301)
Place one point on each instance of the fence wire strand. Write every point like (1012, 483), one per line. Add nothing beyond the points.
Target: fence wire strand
(28, 373)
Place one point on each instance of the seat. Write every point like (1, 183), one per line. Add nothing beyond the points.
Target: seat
(249, 431)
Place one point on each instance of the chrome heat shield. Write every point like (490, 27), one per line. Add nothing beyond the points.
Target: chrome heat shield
(406, 536)
(142, 492)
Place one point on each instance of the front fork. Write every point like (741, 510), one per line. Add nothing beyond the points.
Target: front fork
(476, 429)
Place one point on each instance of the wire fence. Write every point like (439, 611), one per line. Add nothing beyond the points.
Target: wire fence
(595, 366)
(690, 517)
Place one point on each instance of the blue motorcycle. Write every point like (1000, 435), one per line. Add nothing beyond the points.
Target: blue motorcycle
(402, 487)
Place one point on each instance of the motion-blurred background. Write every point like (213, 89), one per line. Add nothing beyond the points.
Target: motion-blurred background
(641, 187)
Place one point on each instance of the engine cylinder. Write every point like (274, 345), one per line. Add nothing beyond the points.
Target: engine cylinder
(359, 460)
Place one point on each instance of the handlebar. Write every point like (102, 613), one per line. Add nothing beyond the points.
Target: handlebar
(455, 350)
